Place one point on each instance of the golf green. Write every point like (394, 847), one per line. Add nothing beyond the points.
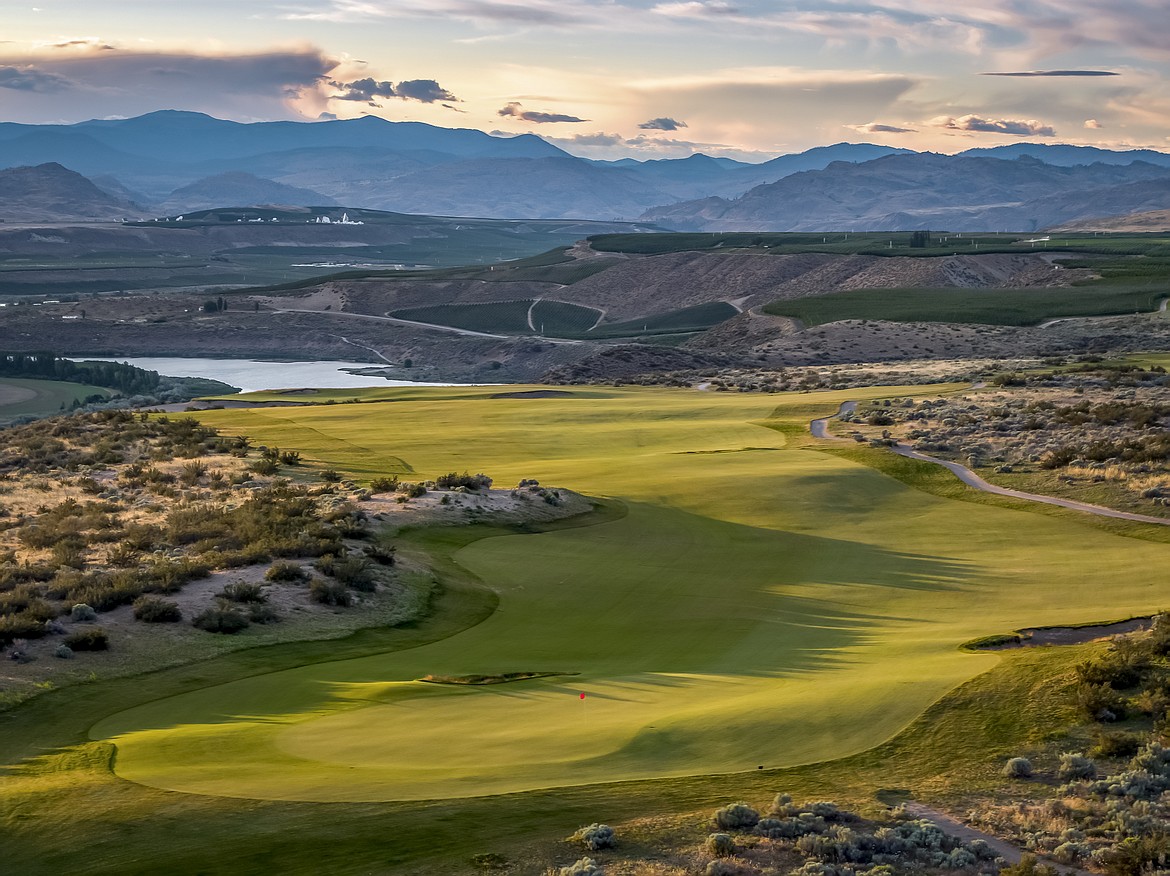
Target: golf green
(761, 604)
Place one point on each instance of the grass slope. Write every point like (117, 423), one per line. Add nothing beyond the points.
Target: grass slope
(766, 605)
(22, 397)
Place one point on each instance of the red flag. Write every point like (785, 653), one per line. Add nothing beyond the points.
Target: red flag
(582, 696)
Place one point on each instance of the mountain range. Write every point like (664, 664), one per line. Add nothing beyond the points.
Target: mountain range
(924, 191)
(169, 162)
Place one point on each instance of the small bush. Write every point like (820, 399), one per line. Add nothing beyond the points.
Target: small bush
(1018, 768)
(285, 571)
(583, 867)
(384, 485)
(93, 639)
(265, 467)
(64, 652)
(412, 491)
(82, 613)
(451, 480)
(595, 836)
(330, 476)
(1117, 745)
(356, 572)
(737, 816)
(721, 845)
(1075, 766)
(221, 620)
(243, 591)
(152, 610)
(721, 868)
(381, 554)
(262, 614)
(329, 592)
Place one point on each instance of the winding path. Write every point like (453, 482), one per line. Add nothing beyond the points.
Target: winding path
(820, 429)
(1048, 323)
(450, 329)
(1004, 849)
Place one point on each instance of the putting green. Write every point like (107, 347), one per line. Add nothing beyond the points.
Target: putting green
(761, 604)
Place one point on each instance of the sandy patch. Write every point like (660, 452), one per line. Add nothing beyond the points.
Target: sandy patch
(499, 506)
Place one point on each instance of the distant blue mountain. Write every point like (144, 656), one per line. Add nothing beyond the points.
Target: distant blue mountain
(1063, 155)
(411, 166)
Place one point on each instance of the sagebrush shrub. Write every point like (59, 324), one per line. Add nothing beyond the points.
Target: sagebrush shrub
(219, 619)
(1074, 765)
(243, 591)
(1018, 768)
(721, 845)
(736, 816)
(286, 571)
(153, 610)
(595, 836)
(92, 639)
(583, 867)
(329, 592)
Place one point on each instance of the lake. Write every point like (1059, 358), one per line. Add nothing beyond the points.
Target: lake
(251, 375)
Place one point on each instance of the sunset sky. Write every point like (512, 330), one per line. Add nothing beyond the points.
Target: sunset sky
(604, 79)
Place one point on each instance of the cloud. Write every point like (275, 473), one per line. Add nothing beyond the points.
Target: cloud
(30, 78)
(663, 124)
(368, 90)
(876, 128)
(695, 9)
(516, 110)
(87, 44)
(522, 12)
(1093, 125)
(424, 91)
(1029, 73)
(1015, 127)
(90, 82)
(607, 146)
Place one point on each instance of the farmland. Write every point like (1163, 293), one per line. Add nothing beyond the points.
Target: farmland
(1014, 307)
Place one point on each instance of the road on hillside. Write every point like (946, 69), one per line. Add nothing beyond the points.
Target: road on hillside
(422, 325)
(820, 429)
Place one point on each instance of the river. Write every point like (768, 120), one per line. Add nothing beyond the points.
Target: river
(251, 375)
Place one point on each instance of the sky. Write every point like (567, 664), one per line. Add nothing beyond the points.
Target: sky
(746, 79)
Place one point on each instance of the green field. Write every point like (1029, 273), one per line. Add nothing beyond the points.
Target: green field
(883, 243)
(687, 319)
(1017, 307)
(493, 316)
(20, 397)
(559, 317)
(565, 320)
(759, 604)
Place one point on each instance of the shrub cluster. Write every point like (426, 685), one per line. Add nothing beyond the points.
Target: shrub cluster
(451, 480)
(595, 837)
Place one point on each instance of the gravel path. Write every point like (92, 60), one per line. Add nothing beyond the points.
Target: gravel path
(449, 329)
(820, 429)
(1004, 849)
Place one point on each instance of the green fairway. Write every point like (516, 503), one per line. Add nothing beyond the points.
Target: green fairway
(23, 397)
(760, 604)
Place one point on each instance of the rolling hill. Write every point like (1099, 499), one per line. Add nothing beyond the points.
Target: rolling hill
(51, 193)
(923, 191)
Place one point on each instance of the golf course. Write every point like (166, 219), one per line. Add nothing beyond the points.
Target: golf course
(746, 597)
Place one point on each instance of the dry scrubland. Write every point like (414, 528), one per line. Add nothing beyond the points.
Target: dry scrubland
(1093, 432)
(127, 543)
